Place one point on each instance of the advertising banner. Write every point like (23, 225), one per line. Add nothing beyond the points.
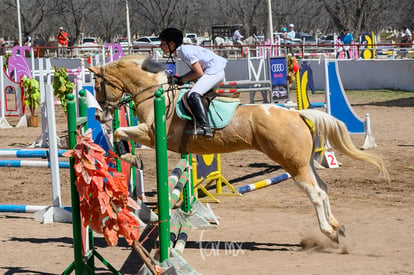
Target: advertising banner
(278, 76)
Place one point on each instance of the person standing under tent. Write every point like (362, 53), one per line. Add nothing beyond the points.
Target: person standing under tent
(62, 42)
(207, 69)
(289, 37)
(346, 41)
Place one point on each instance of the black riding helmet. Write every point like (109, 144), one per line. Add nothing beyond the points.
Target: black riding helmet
(172, 34)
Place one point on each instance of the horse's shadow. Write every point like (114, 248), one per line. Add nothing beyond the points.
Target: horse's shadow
(267, 169)
(19, 270)
(228, 246)
(214, 248)
(400, 102)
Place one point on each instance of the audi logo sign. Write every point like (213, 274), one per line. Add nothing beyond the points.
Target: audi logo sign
(277, 68)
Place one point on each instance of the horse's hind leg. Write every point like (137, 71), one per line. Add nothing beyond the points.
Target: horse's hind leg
(331, 219)
(307, 180)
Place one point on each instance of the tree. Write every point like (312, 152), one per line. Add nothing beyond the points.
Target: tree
(106, 18)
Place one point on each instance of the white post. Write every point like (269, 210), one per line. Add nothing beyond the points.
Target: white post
(2, 92)
(82, 68)
(369, 142)
(54, 213)
(327, 91)
(269, 10)
(128, 27)
(19, 22)
(51, 122)
(335, 37)
(43, 112)
(3, 120)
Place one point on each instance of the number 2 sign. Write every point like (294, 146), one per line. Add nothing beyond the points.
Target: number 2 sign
(330, 160)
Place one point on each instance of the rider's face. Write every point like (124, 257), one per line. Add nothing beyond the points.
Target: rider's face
(164, 46)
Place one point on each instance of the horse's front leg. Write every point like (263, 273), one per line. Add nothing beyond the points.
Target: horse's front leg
(140, 134)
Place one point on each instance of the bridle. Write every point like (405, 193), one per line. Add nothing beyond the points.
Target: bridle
(124, 100)
(107, 104)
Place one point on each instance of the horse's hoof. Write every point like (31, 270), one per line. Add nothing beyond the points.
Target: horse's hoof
(138, 163)
(335, 237)
(121, 147)
(341, 231)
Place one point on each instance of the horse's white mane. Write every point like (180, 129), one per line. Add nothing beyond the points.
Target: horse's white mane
(137, 59)
(140, 60)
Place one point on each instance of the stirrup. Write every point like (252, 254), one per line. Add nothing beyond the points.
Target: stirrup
(201, 131)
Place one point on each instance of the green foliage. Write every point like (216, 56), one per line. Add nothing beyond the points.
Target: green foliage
(62, 86)
(31, 93)
(6, 61)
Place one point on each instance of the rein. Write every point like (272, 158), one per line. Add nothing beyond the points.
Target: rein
(128, 99)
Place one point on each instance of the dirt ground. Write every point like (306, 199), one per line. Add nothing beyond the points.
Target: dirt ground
(260, 232)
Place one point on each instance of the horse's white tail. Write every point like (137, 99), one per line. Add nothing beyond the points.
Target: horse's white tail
(335, 131)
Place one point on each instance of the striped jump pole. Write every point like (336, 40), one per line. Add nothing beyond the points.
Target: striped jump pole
(182, 238)
(178, 188)
(27, 153)
(176, 174)
(244, 86)
(174, 231)
(245, 82)
(263, 183)
(20, 208)
(239, 90)
(30, 163)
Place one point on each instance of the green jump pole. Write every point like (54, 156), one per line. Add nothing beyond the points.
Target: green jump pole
(82, 263)
(83, 107)
(188, 188)
(76, 220)
(115, 125)
(162, 173)
(133, 169)
(83, 112)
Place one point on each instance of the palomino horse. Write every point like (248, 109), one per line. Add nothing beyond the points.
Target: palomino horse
(286, 137)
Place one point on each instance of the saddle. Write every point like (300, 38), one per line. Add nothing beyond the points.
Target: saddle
(220, 110)
(220, 107)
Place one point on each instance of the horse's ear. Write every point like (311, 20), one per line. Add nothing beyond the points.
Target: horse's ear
(93, 69)
(152, 66)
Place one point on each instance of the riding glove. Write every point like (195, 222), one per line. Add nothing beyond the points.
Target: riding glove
(175, 80)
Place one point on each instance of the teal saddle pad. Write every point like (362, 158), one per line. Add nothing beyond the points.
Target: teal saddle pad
(219, 112)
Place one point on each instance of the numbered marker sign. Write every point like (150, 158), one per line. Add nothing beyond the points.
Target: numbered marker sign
(330, 160)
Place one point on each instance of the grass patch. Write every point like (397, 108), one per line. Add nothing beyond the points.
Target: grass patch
(378, 95)
(369, 96)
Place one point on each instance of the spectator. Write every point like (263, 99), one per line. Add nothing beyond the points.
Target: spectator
(406, 37)
(27, 39)
(289, 37)
(62, 42)
(346, 41)
(237, 37)
(207, 69)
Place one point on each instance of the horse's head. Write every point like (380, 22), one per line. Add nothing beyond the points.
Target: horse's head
(133, 75)
(108, 92)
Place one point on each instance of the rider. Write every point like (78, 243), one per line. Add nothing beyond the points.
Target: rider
(207, 69)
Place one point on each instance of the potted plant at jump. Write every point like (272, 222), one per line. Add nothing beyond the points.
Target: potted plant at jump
(31, 99)
(62, 86)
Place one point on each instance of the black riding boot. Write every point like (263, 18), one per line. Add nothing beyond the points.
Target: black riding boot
(200, 113)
